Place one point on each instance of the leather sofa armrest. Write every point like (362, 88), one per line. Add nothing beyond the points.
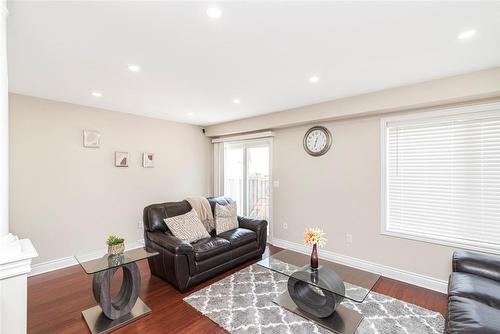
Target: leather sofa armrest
(170, 243)
(252, 224)
(487, 266)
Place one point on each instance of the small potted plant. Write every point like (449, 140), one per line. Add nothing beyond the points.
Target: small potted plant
(314, 237)
(115, 245)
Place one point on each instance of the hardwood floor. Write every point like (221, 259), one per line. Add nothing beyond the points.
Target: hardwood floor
(56, 299)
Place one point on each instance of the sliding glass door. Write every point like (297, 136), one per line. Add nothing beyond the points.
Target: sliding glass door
(247, 176)
(234, 174)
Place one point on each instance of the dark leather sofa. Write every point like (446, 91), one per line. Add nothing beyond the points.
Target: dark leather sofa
(186, 264)
(474, 294)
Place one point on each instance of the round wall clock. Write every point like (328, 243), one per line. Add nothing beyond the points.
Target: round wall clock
(317, 140)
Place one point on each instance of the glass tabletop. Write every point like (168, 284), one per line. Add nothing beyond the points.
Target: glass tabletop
(95, 261)
(358, 283)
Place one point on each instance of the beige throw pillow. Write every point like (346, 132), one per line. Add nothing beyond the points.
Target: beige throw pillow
(187, 227)
(226, 217)
(203, 210)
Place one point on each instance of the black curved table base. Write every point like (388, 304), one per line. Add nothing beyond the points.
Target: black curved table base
(112, 313)
(320, 302)
(320, 305)
(343, 320)
(117, 307)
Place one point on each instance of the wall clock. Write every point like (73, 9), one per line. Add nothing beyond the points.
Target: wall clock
(317, 141)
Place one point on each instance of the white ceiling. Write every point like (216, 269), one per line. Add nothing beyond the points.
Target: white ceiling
(262, 53)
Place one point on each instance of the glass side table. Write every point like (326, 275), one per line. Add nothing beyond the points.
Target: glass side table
(112, 313)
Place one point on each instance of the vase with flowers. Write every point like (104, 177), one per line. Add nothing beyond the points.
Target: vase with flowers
(316, 238)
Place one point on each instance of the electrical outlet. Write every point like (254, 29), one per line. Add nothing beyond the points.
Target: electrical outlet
(139, 225)
(276, 184)
(348, 238)
(285, 226)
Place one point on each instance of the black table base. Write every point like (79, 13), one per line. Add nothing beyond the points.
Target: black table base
(320, 302)
(317, 297)
(112, 313)
(342, 320)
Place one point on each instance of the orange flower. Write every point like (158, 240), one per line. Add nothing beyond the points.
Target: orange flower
(308, 236)
(314, 236)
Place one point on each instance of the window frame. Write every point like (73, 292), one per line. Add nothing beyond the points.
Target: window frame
(484, 108)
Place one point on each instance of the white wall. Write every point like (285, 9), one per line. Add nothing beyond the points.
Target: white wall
(456, 89)
(67, 198)
(340, 193)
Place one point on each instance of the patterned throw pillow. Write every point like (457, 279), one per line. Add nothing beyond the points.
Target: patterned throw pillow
(226, 217)
(187, 227)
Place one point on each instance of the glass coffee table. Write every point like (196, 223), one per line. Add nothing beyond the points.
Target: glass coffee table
(317, 294)
(126, 306)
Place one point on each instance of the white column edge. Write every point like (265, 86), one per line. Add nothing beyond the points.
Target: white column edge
(19, 263)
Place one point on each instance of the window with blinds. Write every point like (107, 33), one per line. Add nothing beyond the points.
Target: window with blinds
(441, 177)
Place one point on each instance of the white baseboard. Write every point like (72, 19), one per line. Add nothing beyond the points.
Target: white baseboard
(45, 267)
(390, 272)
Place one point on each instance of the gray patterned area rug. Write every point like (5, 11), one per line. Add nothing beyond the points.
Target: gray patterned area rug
(242, 303)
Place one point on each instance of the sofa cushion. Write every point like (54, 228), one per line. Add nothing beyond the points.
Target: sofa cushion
(226, 217)
(187, 227)
(239, 236)
(475, 287)
(221, 260)
(209, 247)
(468, 316)
(243, 250)
(218, 200)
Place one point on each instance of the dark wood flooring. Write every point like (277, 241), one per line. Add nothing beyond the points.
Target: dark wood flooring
(56, 299)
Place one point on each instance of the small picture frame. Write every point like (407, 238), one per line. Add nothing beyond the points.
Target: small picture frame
(91, 139)
(121, 159)
(148, 160)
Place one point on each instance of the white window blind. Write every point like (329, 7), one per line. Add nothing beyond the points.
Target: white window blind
(441, 177)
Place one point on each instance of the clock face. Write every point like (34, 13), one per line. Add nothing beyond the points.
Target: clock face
(317, 141)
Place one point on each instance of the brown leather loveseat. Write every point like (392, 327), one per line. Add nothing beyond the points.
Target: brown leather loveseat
(186, 264)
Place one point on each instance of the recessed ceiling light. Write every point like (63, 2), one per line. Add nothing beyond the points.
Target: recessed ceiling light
(190, 114)
(214, 12)
(467, 34)
(134, 68)
(236, 101)
(97, 94)
(313, 79)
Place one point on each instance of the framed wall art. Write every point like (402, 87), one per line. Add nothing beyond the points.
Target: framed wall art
(121, 159)
(148, 160)
(91, 138)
